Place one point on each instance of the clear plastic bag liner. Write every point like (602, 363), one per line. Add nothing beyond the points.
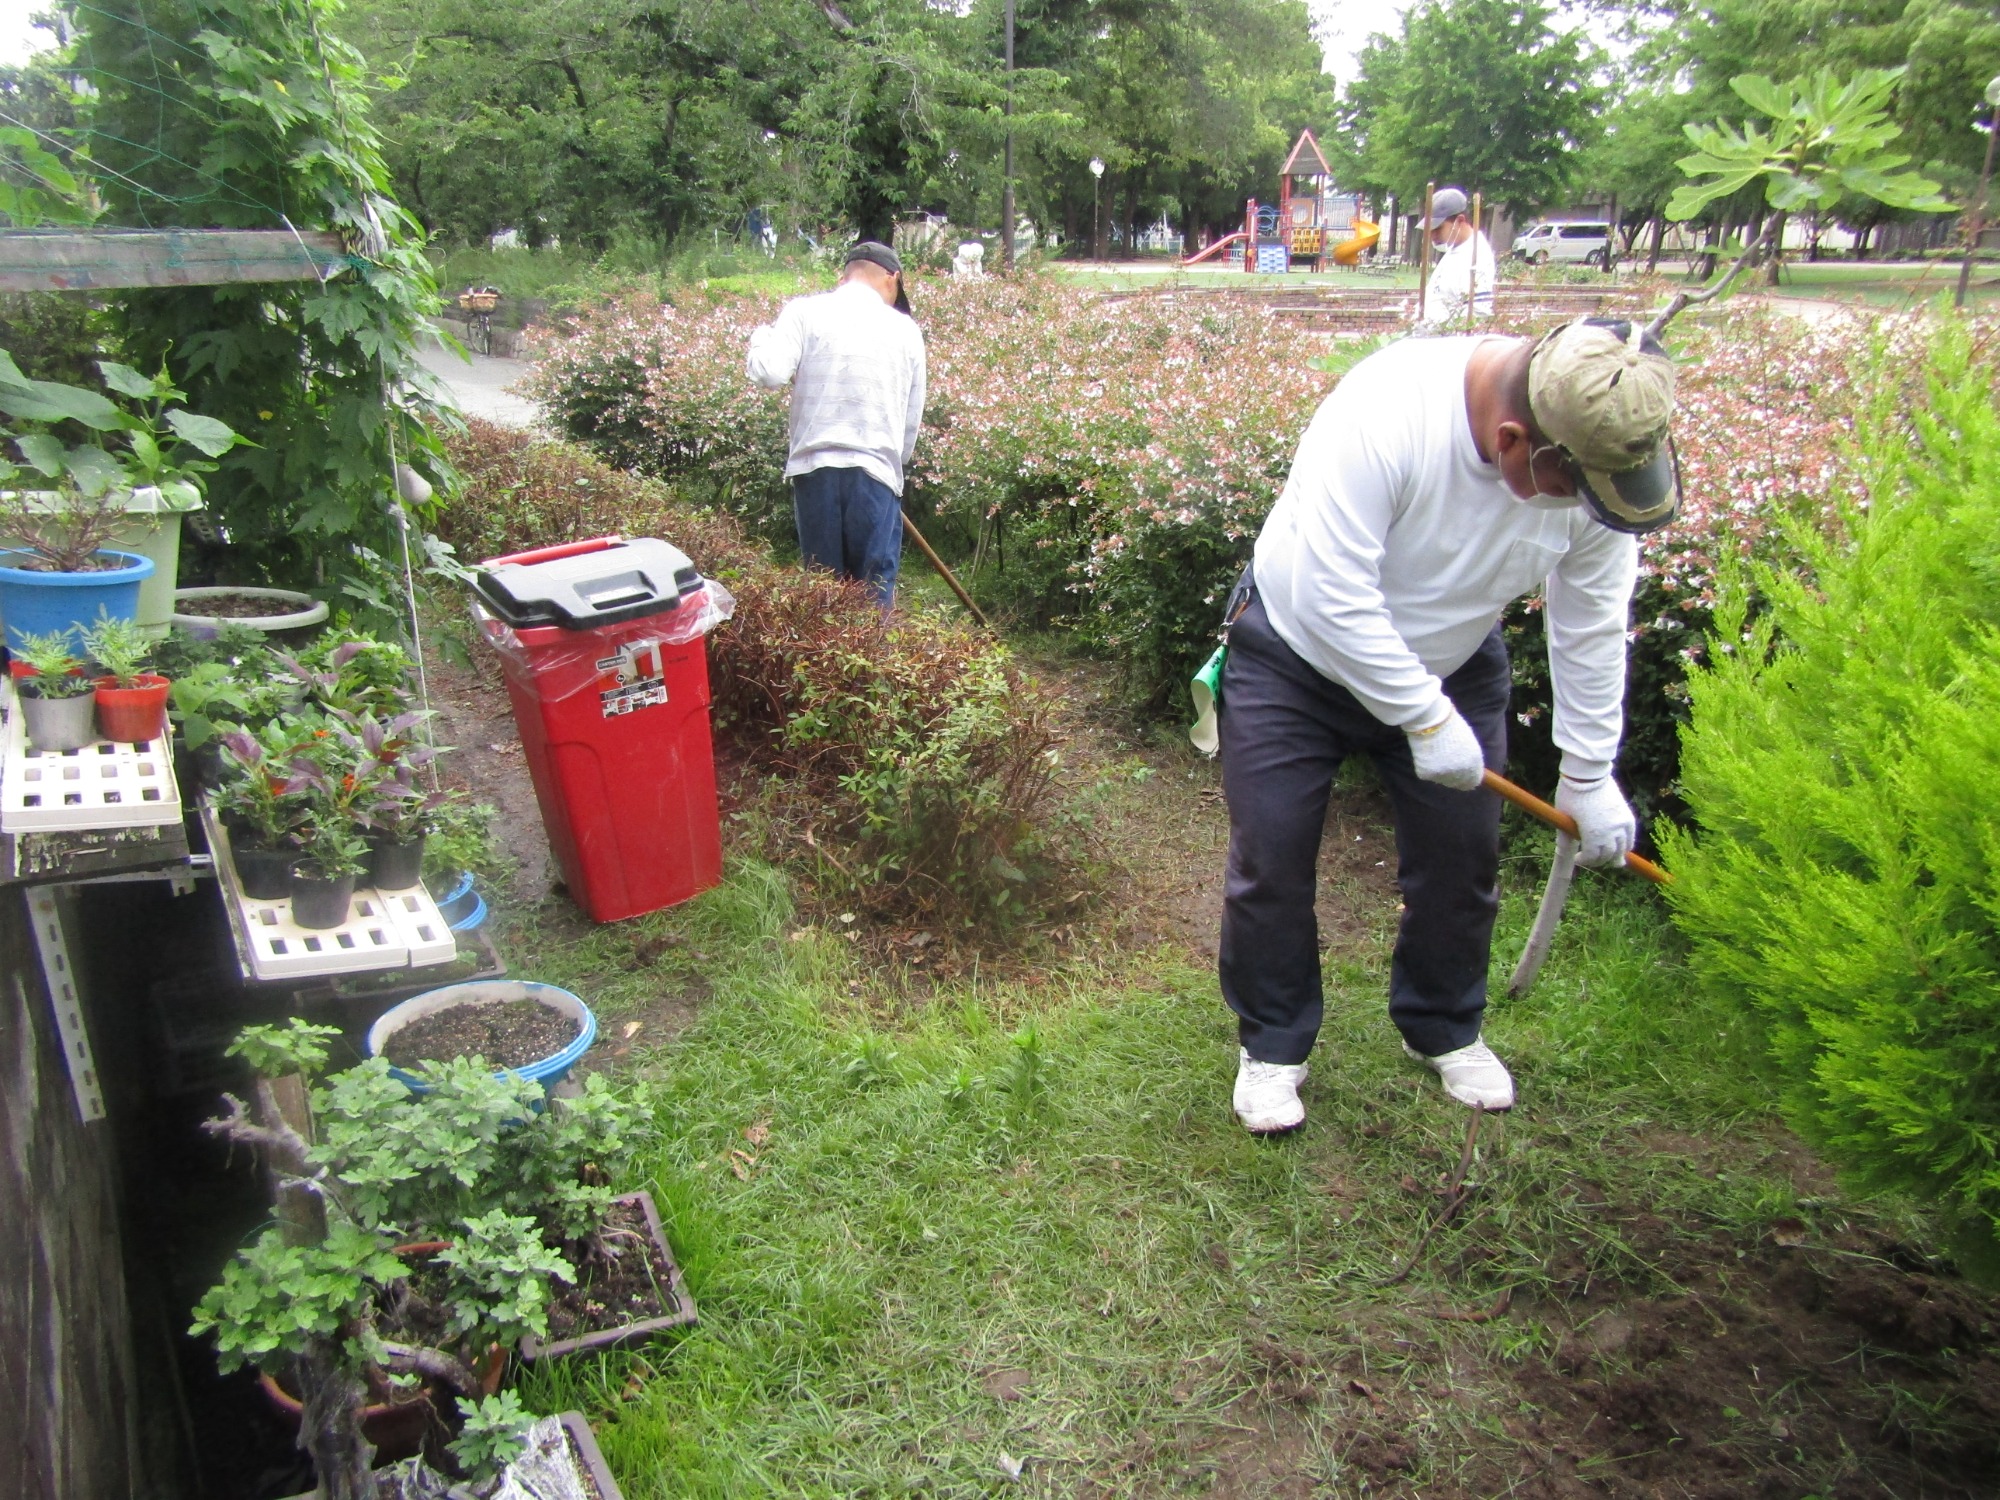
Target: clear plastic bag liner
(564, 663)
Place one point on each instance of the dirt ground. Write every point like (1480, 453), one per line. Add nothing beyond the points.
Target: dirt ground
(1847, 1369)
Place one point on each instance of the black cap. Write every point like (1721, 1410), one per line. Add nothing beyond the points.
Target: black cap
(878, 254)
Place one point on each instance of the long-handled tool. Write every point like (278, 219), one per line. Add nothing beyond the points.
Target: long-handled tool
(1561, 872)
(944, 572)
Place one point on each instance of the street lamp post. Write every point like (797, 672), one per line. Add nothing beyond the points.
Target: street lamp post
(1096, 226)
(1976, 221)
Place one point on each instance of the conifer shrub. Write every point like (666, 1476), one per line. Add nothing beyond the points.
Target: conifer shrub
(1843, 873)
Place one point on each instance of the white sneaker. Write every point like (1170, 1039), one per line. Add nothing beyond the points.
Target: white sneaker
(1267, 1095)
(1472, 1075)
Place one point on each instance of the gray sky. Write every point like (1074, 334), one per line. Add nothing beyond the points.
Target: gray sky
(1344, 27)
(17, 38)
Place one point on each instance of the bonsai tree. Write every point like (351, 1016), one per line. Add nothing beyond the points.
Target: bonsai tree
(55, 666)
(361, 1168)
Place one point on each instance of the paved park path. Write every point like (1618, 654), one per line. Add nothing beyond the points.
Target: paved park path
(480, 389)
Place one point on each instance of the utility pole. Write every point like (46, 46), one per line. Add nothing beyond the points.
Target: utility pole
(1976, 220)
(1007, 172)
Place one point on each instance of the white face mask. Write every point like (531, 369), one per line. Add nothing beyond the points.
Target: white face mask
(1541, 500)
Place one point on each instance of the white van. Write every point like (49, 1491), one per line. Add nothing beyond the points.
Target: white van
(1570, 240)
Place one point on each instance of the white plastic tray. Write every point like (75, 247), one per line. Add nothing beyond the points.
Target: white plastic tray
(383, 930)
(103, 785)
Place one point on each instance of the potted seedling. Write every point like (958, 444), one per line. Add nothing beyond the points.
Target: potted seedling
(261, 809)
(131, 702)
(332, 856)
(398, 815)
(56, 703)
(60, 575)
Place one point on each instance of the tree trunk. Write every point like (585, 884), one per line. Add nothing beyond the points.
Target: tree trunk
(1775, 263)
(1659, 238)
(330, 1428)
(1131, 215)
(1711, 252)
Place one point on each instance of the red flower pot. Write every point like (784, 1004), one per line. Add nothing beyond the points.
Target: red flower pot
(133, 715)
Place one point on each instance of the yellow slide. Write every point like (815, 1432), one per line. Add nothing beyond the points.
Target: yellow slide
(1348, 252)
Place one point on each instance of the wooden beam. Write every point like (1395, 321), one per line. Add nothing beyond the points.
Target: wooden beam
(67, 260)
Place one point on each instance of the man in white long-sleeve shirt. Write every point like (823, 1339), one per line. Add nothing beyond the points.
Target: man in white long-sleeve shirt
(855, 360)
(1465, 273)
(1442, 479)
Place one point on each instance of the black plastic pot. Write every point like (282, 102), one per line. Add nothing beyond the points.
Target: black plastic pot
(264, 874)
(394, 865)
(320, 903)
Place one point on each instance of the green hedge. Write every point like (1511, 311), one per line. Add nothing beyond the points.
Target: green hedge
(1842, 766)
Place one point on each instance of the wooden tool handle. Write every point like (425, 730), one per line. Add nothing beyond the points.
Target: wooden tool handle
(1528, 802)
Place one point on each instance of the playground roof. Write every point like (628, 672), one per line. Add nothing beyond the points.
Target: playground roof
(1306, 143)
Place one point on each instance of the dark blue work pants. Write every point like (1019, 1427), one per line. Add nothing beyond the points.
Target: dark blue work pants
(1285, 730)
(851, 522)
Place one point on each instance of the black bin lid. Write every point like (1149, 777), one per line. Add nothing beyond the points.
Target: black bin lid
(631, 578)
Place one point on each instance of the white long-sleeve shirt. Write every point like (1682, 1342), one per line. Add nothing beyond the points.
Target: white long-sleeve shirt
(1452, 282)
(1394, 547)
(857, 372)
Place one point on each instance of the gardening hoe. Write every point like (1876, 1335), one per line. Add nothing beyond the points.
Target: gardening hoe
(1560, 875)
(944, 572)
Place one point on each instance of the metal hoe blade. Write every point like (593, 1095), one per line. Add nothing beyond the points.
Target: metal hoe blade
(1561, 871)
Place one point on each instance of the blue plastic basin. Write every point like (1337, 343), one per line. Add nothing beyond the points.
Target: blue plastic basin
(56, 603)
(548, 1072)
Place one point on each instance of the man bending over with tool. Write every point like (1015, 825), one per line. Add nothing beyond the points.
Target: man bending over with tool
(1442, 479)
(855, 360)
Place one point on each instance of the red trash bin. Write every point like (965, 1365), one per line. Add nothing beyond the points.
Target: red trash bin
(608, 671)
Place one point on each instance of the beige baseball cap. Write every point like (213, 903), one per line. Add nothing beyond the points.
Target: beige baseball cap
(1602, 390)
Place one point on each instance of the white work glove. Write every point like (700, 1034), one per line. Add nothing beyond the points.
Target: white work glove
(1448, 753)
(1605, 826)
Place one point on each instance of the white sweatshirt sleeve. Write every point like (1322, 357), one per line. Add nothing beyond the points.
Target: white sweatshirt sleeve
(1588, 598)
(1340, 501)
(776, 348)
(919, 376)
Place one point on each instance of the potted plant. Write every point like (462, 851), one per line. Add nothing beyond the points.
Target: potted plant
(470, 1180)
(125, 485)
(332, 856)
(535, 1031)
(460, 845)
(131, 702)
(60, 575)
(209, 610)
(261, 809)
(56, 704)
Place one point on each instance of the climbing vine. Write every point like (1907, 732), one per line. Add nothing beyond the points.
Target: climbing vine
(252, 114)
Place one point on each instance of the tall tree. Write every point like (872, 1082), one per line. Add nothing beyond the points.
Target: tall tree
(1486, 93)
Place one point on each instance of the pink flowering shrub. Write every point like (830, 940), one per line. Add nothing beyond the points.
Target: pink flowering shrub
(1103, 467)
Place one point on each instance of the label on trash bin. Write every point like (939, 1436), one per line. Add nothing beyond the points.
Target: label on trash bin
(632, 680)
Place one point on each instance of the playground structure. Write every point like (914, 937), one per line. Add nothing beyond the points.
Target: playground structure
(1298, 232)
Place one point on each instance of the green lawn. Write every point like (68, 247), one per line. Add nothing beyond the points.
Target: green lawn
(1018, 1222)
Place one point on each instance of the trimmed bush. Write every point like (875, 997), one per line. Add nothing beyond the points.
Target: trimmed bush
(1841, 765)
(907, 760)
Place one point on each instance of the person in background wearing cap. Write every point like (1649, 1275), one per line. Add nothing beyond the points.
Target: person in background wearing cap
(1442, 479)
(1465, 272)
(855, 360)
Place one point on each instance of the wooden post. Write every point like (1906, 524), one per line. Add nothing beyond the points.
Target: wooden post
(1424, 253)
(1472, 297)
(39, 260)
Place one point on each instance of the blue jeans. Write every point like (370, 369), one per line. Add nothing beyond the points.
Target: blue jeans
(851, 522)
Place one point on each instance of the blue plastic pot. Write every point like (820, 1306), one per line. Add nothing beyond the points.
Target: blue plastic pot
(548, 1072)
(41, 603)
(464, 908)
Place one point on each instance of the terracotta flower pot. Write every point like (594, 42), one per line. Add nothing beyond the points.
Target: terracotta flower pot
(135, 714)
(396, 1428)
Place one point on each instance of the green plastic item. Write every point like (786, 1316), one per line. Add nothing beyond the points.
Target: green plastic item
(1206, 689)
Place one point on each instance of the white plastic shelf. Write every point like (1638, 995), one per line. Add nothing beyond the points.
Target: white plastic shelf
(383, 930)
(103, 785)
